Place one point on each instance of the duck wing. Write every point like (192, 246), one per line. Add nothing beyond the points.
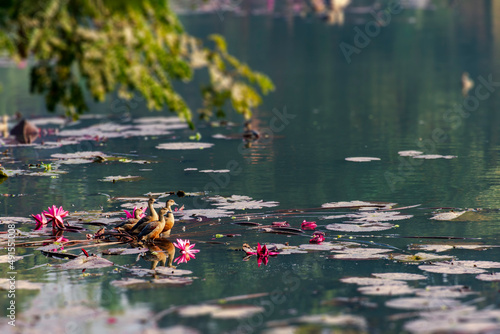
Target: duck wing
(148, 229)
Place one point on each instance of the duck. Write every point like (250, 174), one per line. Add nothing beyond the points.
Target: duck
(170, 218)
(250, 134)
(128, 224)
(153, 229)
(25, 132)
(145, 220)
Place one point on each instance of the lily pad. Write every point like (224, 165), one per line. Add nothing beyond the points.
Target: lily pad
(446, 326)
(371, 281)
(362, 159)
(445, 247)
(84, 262)
(448, 215)
(409, 153)
(79, 155)
(215, 171)
(124, 251)
(421, 303)
(445, 291)
(238, 202)
(421, 257)
(184, 146)
(197, 310)
(378, 216)
(434, 156)
(491, 277)
(236, 311)
(117, 178)
(387, 290)
(400, 276)
(172, 271)
(356, 204)
(358, 228)
(334, 320)
(450, 269)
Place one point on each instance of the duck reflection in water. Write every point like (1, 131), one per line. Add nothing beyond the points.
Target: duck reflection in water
(163, 252)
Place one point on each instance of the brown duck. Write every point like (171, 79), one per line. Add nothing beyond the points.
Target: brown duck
(129, 223)
(146, 220)
(153, 229)
(170, 218)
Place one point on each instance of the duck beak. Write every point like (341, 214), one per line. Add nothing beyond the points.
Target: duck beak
(175, 204)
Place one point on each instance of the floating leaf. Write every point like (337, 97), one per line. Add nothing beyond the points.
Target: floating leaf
(446, 291)
(124, 251)
(358, 228)
(421, 257)
(236, 311)
(238, 202)
(387, 290)
(79, 155)
(446, 326)
(451, 269)
(362, 159)
(197, 310)
(184, 146)
(409, 153)
(400, 276)
(445, 247)
(356, 204)
(434, 156)
(491, 277)
(215, 171)
(371, 281)
(84, 262)
(117, 178)
(448, 215)
(334, 320)
(172, 271)
(420, 303)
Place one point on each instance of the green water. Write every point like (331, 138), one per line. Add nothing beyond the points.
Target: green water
(398, 93)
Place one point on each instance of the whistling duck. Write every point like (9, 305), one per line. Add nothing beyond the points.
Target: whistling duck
(170, 218)
(250, 134)
(144, 221)
(128, 224)
(153, 229)
(25, 132)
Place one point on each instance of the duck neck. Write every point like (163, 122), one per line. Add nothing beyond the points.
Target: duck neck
(153, 211)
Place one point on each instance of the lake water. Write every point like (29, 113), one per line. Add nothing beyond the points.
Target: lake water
(399, 92)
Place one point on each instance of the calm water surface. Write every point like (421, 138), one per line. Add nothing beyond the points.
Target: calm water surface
(398, 93)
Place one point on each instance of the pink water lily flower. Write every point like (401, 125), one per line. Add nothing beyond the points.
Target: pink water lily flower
(179, 209)
(132, 215)
(318, 238)
(56, 215)
(308, 225)
(262, 255)
(187, 251)
(41, 221)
